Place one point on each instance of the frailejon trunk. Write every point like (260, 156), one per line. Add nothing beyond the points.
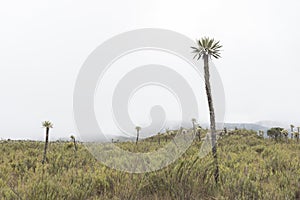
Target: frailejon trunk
(194, 128)
(137, 136)
(75, 145)
(212, 117)
(46, 145)
(158, 139)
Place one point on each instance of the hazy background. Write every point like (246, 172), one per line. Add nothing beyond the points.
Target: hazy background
(44, 43)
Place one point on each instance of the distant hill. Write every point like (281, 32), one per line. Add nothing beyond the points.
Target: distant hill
(173, 125)
(248, 126)
(270, 124)
(123, 138)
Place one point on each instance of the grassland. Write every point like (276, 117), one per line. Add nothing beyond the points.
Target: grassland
(251, 167)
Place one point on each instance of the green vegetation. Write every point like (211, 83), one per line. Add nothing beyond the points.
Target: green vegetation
(275, 133)
(251, 167)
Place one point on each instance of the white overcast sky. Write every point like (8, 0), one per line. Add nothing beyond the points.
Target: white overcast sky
(44, 43)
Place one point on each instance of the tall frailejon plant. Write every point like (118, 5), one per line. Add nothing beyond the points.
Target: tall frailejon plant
(75, 150)
(158, 138)
(194, 125)
(205, 49)
(47, 125)
(137, 128)
(292, 127)
(198, 133)
(167, 134)
(298, 133)
(74, 142)
(292, 130)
